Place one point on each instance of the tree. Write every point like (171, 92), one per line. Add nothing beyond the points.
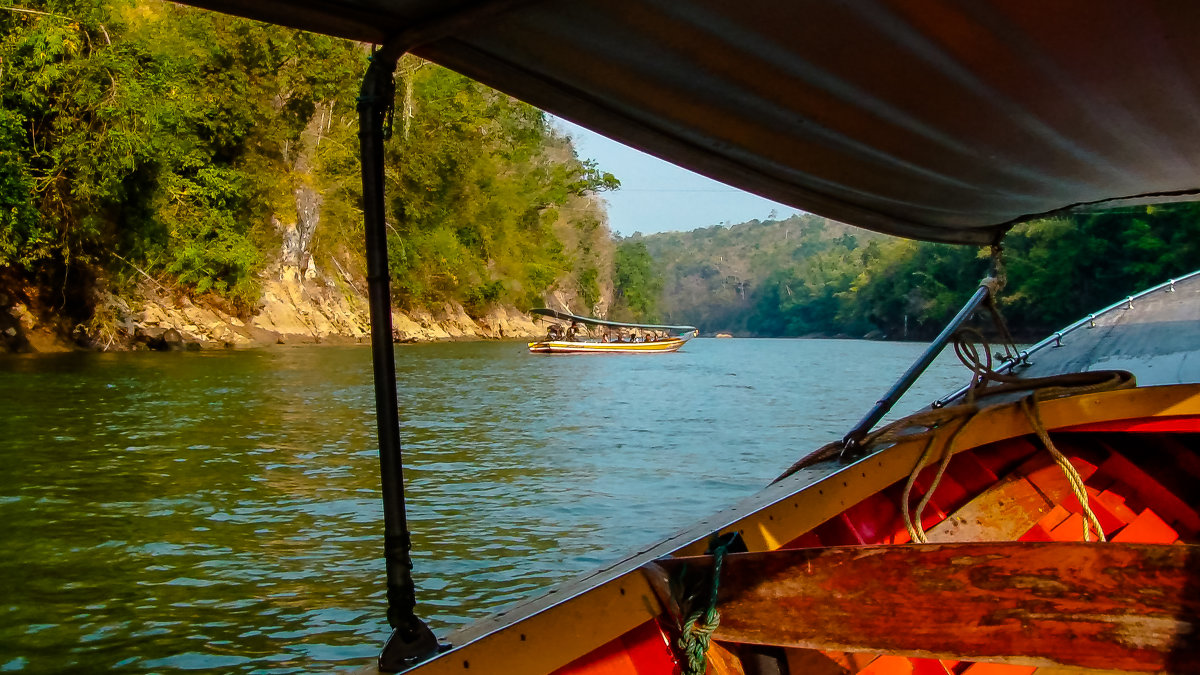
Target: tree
(638, 283)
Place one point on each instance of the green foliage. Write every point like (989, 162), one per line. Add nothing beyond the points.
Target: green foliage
(589, 286)
(147, 129)
(152, 134)
(20, 229)
(638, 282)
(479, 184)
(806, 276)
(478, 298)
(763, 277)
(1061, 268)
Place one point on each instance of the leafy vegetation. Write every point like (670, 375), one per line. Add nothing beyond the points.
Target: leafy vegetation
(638, 282)
(142, 137)
(809, 276)
(480, 185)
(147, 139)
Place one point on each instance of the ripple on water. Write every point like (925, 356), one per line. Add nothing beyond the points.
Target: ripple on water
(220, 511)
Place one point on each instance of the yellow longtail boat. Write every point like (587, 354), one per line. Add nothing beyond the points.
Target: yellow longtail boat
(573, 334)
(1046, 518)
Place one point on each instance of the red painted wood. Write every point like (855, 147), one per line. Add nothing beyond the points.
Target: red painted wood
(649, 648)
(1116, 505)
(1147, 528)
(1002, 457)
(876, 519)
(1169, 506)
(806, 540)
(1109, 521)
(608, 659)
(1114, 491)
(1175, 425)
(931, 667)
(970, 473)
(1120, 492)
(1055, 518)
(1070, 529)
(644, 650)
(888, 665)
(997, 669)
(1037, 533)
(947, 498)
(1049, 477)
(838, 531)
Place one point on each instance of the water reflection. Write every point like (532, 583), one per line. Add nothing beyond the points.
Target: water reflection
(220, 511)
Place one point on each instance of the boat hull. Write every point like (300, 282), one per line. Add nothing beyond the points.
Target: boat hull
(1001, 486)
(567, 347)
(1134, 451)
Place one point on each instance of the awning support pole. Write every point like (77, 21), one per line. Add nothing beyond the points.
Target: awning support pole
(882, 406)
(411, 640)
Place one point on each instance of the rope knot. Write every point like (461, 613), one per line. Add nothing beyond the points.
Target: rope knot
(695, 635)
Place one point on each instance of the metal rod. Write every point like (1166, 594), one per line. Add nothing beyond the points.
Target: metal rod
(411, 640)
(914, 371)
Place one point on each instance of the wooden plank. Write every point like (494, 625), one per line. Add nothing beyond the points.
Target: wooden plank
(813, 662)
(1147, 528)
(1094, 605)
(1004, 512)
(1151, 490)
(720, 661)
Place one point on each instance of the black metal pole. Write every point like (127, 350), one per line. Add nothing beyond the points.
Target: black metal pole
(882, 406)
(411, 640)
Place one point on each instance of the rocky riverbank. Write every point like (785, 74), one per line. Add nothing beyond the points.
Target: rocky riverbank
(298, 306)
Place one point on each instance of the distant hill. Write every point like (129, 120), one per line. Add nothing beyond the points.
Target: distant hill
(810, 276)
(713, 276)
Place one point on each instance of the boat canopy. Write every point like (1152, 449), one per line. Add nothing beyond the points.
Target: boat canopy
(589, 321)
(941, 121)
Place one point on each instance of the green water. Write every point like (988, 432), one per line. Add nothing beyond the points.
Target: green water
(219, 511)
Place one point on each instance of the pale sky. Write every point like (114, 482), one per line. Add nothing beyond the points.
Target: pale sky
(657, 196)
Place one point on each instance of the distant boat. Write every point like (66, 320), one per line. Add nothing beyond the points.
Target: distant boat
(572, 334)
(724, 335)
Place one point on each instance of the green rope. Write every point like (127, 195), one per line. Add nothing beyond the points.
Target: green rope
(698, 629)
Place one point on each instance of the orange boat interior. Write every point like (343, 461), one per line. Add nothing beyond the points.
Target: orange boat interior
(1141, 477)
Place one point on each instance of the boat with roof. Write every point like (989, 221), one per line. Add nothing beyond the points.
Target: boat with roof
(574, 334)
(1045, 518)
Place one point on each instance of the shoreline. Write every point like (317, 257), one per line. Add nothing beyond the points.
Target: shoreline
(296, 307)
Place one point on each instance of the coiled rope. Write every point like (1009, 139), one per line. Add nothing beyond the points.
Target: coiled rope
(1056, 386)
(985, 383)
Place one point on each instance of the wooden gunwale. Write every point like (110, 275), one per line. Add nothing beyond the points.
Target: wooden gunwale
(545, 633)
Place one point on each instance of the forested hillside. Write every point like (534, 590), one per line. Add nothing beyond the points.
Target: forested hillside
(810, 276)
(143, 142)
(148, 148)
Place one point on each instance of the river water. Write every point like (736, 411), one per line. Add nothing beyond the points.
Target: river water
(219, 511)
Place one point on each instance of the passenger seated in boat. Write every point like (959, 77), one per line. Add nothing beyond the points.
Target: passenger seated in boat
(573, 332)
(554, 332)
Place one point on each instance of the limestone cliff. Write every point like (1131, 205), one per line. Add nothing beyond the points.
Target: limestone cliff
(305, 306)
(298, 307)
